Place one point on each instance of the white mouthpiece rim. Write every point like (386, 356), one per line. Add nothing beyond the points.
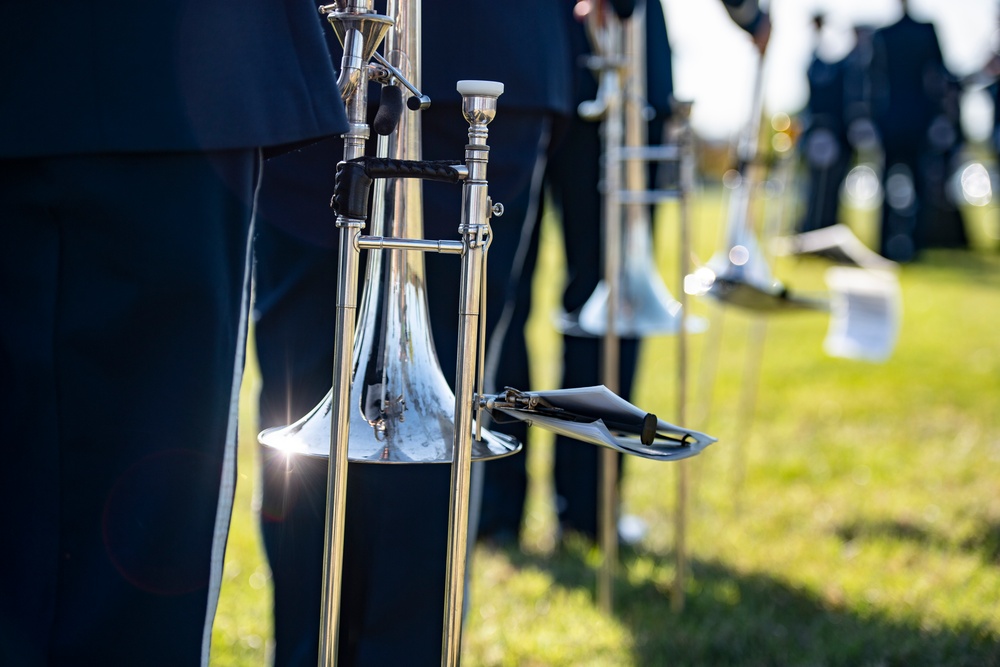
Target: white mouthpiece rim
(475, 87)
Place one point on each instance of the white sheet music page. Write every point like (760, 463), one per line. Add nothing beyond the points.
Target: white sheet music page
(865, 314)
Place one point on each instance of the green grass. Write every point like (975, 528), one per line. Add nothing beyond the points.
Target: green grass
(854, 520)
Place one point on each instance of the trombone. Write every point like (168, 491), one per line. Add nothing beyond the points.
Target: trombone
(631, 300)
(390, 403)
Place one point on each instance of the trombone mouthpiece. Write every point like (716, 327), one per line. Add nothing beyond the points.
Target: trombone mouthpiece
(470, 87)
(479, 99)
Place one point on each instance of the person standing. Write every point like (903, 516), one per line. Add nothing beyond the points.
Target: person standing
(572, 179)
(908, 80)
(131, 142)
(824, 140)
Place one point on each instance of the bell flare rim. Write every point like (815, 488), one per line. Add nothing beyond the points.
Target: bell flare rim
(493, 445)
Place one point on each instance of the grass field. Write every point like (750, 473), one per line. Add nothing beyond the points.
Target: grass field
(854, 520)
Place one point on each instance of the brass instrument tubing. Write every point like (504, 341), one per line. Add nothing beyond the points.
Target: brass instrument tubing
(478, 111)
(425, 245)
(356, 104)
(425, 101)
(685, 184)
(608, 492)
(346, 315)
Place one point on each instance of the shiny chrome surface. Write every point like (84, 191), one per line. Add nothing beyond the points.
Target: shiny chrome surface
(739, 273)
(389, 402)
(357, 39)
(402, 409)
(479, 99)
(642, 303)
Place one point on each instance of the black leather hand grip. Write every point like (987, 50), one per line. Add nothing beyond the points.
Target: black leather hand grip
(354, 179)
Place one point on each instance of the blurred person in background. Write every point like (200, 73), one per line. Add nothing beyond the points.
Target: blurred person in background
(572, 180)
(943, 225)
(824, 140)
(909, 85)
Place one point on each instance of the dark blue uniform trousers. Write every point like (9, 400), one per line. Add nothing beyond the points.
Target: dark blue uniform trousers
(122, 293)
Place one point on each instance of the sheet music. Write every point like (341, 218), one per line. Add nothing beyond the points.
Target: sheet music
(596, 401)
(594, 432)
(865, 314)
(836, 243)
(602, 405)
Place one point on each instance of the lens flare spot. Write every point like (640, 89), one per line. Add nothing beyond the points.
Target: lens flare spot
(976, 187)
(739, 255)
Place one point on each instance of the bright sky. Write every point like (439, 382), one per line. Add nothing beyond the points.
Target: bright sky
(714, 62)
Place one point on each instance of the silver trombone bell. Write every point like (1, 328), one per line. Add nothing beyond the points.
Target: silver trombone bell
(402, 409)
(421, 437)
